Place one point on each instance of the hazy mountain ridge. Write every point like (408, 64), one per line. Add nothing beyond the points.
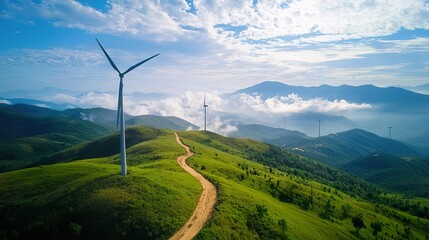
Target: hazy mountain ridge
(339, 148)
(357, 94)
(334, 149)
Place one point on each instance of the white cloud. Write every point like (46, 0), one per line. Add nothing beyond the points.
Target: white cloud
(292, 103)
(4, 101)
(188, 106)
(87, 100)
(238, 42)
(264, 19)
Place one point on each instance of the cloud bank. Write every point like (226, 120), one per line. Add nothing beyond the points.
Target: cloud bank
(188, 106)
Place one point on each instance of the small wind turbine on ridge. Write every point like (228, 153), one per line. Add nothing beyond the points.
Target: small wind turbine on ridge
(120, 113)
(205, 112)
(320, 121)
(390, 133)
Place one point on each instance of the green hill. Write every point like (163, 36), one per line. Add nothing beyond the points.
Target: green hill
(31, 110)
(409, 176)
(340, 148)
(89, 199)
(103, 147)
(161, 122)
(98, 115)
(108, 118)
(265, 133)
(28, 133)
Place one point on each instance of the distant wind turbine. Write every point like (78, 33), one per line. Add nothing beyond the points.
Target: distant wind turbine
(205, 112)
(390, 133)
(320, 121)
(120, 113)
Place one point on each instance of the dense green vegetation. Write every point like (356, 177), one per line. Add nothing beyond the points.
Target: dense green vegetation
(290, 197)
(409, 176)
(29, 133)
(161, 122)
(89, 199)
(296, 206)
(340, 148)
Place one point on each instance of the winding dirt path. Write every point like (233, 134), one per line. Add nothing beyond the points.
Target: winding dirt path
(205, 203)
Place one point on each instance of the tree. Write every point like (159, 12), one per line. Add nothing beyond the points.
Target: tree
(283, 226)
(345, 211)
(376, 228)
(328, 210)
(263, 225)
(358, 222)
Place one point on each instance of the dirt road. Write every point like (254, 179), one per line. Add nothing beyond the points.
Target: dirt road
(205, 203)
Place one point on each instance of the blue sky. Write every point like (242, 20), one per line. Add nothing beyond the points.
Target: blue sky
(211, 45)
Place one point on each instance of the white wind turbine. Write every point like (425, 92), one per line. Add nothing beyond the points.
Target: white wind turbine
(205, 112)
(120, 113)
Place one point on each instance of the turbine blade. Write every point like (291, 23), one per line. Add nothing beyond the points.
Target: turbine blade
(108, 58)
(204, 100)
(138, 64)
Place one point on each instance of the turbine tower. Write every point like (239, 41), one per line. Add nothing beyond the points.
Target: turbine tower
(205, 112)
(120, 113)
(320, 121)
(390, 133)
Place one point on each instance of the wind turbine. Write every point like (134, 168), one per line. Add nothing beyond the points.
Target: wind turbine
(320, 121)
(205, 112)
(390, 133)
(120, 113)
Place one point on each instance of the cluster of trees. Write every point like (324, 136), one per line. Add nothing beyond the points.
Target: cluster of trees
(259, 221)
(291, 163)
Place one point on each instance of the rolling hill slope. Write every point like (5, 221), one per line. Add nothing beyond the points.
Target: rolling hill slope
(89, 199)
(340, 148)
(28, 133)
(169, 122)
(409, 176)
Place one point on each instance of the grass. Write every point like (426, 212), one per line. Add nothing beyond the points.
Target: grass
(89, 199)
(241, 192)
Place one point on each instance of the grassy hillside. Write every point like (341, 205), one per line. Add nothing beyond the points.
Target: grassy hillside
(409, 176)
(255, 200)
(89, 199)
(103, 147)
(28, 133)
(265, 133)
(161, 122)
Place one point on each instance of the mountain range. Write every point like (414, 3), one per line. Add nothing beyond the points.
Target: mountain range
(389, 99)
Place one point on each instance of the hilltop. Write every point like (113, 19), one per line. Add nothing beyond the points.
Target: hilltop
(30, 133)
